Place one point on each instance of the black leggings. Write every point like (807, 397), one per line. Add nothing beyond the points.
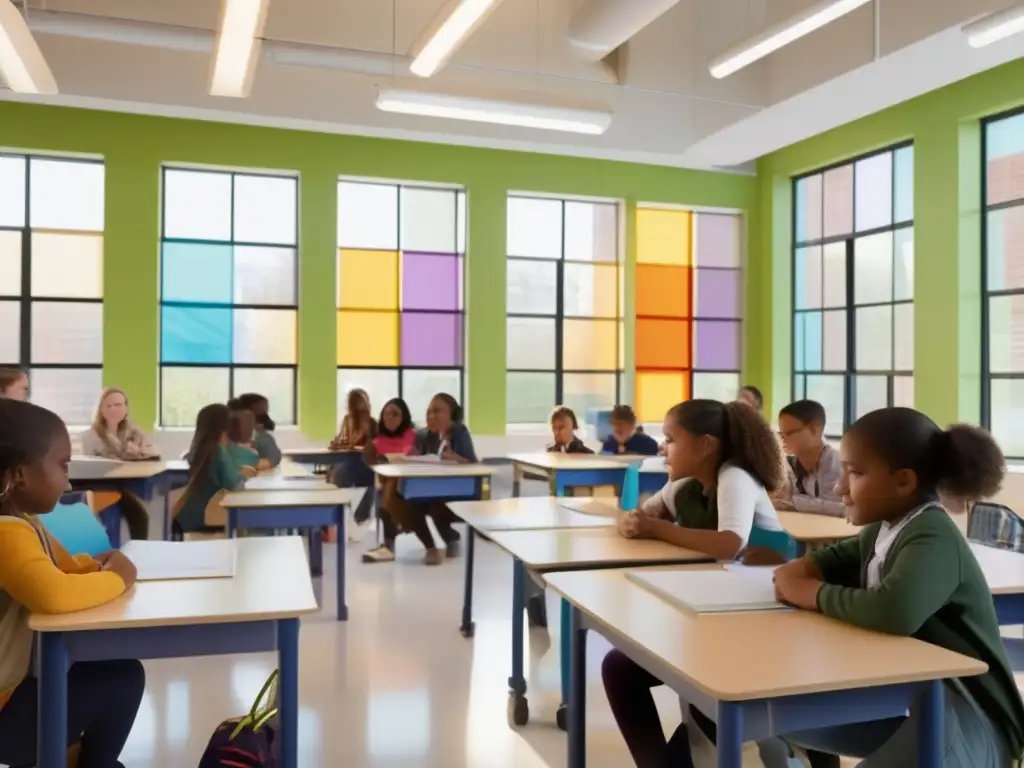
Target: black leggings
(414, 515)
(354, 473)
(103, 699)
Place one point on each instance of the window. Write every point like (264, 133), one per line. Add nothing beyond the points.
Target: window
(689, 289)
(400, 294)
(564, 284)
(853, 286)
(1003, 281)
(51, 279)
(228, 291)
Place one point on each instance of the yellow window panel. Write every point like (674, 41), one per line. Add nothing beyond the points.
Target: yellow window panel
(657, 392)
(367, 338)
(663, 236)
(367, 279)
(589, 345)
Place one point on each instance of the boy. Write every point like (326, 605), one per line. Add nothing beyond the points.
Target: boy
(563, 430)
(814, 465)
(626, 437)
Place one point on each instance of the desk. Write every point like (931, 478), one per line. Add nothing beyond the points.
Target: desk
(284, 483)
(437, 481)
(319, 457)
(295, 509)
(815, 530)
(822, 672)
(568, 470)
(257, 610)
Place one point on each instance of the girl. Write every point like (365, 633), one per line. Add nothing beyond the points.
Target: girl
(447, 438)
(356, 432)
(114, 436)
(813, 466)
(240, 432)
(563, 430)
(910, 572)
(396, 435)
(626, 436)
(13, 383)
(211, 472)
(37, 575)
(263, 437)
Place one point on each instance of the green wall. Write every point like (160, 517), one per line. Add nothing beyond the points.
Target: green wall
(135, 146)
(945, 127)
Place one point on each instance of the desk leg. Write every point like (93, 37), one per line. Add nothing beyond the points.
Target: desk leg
(468, 628)
(342, 599)
(52, 724)
(518, 707)
(730, 735)
(288, 692)
(931, 730)
(577, 689)
(517, 480)
(232, 522)
(316, 552)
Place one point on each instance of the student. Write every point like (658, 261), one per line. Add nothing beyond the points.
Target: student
(447, 438)
(211, 471)
(563, 430)
(396, 435)
(263, 437)
(37, 575)
(626, 436)
(722, 460)
(813, 465)
(13, 383)
(114, 436)
(751, 395)
(356, 432)
(241, 427)
(910, 572)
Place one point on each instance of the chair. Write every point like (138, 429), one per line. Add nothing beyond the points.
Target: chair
(77, 529)
(995, 525)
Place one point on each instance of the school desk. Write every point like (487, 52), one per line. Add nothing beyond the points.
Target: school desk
(256, 611)
(422, 481)
(313, 510)
(568, 470)
(808, 671)
(811, 531)
(320, 458)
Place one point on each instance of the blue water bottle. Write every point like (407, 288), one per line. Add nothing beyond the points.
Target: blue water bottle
(631, 488)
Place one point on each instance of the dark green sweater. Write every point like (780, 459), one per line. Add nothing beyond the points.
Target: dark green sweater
(932, 589)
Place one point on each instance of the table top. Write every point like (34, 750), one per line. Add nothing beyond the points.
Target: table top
(803, 526)
(275, 482)
(289, 468)
(329, 496)
(1003, 569)
(271, 582)
(534, 513)
(797, 651)
(545, 550)
(543, 460)
(89, 469)
(426, 469)
(319, 451)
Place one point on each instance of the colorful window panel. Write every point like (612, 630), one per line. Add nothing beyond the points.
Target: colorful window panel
(853, 283)
(401, 322)
(228, 291)
(564, 304)
(689, 288)
(51, 279)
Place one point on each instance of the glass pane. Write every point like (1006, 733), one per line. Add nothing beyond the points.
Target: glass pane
(10, 339)
(529, 397)
(460, 232)
(184, 391)
(663, 236)
(66, 194)
(534, 228)
(903, 391)
(431, 338)
(265, 276)
(718, 240)
(662, 290)
(265, 209)
(591, 290)
(380, 385)
(716, 386)
(419, 387)
(812, 344)
(1007, 396)
(197, 273)
(717, 293)
(197, 205)
(903, 264)
(838, 195)
(1004, 253)
(828, 390)
(808, 208)
(531, 343)
(799, 387)
(275, 384)
(1004, 150)
(368, 279)
(428, 220)
(591, 231)
(903, 181)
(717, 345)
(872, 269)
(67, 332)
(431, 281)
(1006, 334)
(589, 345)
(532, 288)
(834, 340)
(71, 393)
(367, 338)
(903, 331)
(367, 215)
(662, 343)
(872, 394)
(195, 335)
(874, 192)
(10, 262)
(656, 393)
(264, 336)
(12, 191)
(799, 331)
(581, 391)
(835, 275)
(807, 272)
(67, 266)
(874, 338)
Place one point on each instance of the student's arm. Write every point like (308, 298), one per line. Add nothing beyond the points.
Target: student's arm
(93, 445)
(818, 505)
(657, 506)
(268, 448)
(721, 545)
(226, 472)
(462, 446)
(838, 563)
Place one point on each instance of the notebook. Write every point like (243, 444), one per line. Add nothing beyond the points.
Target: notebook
(167, 560)
(710, 591)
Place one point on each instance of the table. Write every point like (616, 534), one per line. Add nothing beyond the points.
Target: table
(319, 457)
(438, 481)
(257, 610)
(810, 671)
(568, 470)
(275, 509)
(285, 483)
(811, 530)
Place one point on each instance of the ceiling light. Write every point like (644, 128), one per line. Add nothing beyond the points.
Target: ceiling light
(238, 47)
(501, 112)
(21, 62)
(449, 29)
(995, 27)
(778, 35)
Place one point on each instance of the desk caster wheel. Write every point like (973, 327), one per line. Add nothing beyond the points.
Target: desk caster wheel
(518, 710)
(468, 630)
(562, 717)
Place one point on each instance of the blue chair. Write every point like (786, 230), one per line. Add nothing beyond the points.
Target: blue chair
(780, 541)
(77, 529)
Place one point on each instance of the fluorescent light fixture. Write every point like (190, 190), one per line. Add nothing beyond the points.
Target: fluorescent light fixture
(587, 121)
(455, 22)
(995, 27)
(782, 34)
(21, 62)
(238, 47)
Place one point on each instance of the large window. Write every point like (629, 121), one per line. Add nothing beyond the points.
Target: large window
(400, 292)
(689, 289)
(51, 279)
(1003, 272)
(853, 286)
(228, 291)
(564, 283)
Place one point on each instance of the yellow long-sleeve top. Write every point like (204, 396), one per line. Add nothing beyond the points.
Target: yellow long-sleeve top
(37, 575)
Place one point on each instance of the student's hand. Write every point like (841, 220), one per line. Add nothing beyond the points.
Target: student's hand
(796, 590)
(248, 472)
(450, 455)
(629, 525)
(119, 563)
(760, 556)
(783, 505)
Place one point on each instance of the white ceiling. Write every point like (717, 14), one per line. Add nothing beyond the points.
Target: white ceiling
(667, 108)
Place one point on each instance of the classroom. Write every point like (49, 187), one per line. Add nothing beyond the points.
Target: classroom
(301, 278)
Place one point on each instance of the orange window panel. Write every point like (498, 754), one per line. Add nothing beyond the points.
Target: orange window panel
(662, 343)
(662, 291)
(657, 392)
(589, 345)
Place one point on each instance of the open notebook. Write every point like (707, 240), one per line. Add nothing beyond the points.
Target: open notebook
(167, 560)
(711, 591)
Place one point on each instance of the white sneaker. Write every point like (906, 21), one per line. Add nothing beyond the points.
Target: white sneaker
(379, 555)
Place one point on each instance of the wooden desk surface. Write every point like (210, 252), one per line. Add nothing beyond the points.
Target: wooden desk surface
(275, 482)
(288, 468)
(1003, 569)
(282, 498)
(824, 528)
(549, 461)
(534, 513)
(271, 582)
(425, 469)
(797, 651)
(125, 470)
(575, 548)
(318, 451)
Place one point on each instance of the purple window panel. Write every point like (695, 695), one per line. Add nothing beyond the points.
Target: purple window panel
(718, 240)
(718, 293)
(718, 345)
(431, 281)
(432, 339)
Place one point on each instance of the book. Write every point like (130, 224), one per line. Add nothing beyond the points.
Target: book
(710, 591)
(171, 560)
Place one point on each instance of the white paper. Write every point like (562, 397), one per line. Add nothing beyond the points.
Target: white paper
(762, 573)
(167, 560)
(710, 591)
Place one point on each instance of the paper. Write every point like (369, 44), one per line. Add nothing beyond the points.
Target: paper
(167, 560)
(762, 573)
(710, 591)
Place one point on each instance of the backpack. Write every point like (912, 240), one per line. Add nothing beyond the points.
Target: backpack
(247, 742)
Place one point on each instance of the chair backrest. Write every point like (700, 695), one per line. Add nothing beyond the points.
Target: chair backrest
(77, 529)
(995, 525)
(780, 541)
